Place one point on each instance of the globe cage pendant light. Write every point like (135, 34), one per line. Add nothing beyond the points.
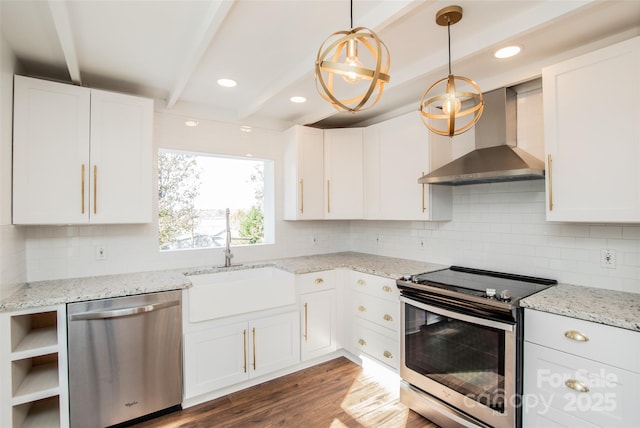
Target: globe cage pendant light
(341, 68)
(454, 104)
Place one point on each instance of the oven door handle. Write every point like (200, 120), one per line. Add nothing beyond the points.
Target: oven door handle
(458, 315)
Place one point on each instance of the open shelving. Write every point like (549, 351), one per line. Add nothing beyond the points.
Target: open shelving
(34, 355)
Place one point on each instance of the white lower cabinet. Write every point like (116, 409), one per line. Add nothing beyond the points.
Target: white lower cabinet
(318, 314)
(374, 312)
(226, 354)
(33, 368)
(579, 374)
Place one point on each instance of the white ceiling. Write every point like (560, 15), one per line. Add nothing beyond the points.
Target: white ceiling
(175, 50)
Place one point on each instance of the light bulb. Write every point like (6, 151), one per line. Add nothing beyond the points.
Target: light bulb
(451, 104)
(352, 77)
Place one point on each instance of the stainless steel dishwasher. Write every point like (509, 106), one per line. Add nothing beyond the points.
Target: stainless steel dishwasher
(125, 358)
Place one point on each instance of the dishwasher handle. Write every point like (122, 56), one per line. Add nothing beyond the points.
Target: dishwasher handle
(115, 313)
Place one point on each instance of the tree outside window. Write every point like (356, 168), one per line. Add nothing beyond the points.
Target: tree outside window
(194, 191)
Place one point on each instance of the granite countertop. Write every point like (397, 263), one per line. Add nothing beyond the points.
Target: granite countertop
(47, 293)
(614, 308)
(59, 291)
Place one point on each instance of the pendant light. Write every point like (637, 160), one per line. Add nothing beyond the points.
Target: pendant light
(352, 79)
(451, 105)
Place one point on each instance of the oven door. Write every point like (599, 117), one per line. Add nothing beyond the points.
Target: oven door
(466, 362)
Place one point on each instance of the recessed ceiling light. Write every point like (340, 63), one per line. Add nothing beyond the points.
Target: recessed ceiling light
(245, 128)
(298, 99)
(227, 83)
(507, 52)
(191, 123)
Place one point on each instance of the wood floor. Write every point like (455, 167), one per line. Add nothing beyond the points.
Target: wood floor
(335, 394)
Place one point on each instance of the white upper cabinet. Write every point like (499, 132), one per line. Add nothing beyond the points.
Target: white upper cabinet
(396, 153)
(304, 174)
(80, 155)
(592, 135)
(50, 152)
(343, 173)
(121, 133)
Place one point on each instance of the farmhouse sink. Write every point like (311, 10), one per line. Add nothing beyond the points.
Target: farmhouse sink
(228, 293)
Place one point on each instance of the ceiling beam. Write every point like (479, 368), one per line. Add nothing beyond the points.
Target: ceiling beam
(380, 17)
(209, 26)
(60, 15)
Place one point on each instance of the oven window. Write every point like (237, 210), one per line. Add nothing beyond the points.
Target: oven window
(463, 356)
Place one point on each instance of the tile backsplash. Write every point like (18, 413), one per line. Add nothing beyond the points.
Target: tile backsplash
(497, 226)
(502, 226)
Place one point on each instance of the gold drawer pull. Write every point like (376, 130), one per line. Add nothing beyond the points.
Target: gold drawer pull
(387, 354)
(387, 317)
(576, 335)
(576, 385)
(362, 342)
(386, 289)
(362, 282)
(319, 281)
(362, 308)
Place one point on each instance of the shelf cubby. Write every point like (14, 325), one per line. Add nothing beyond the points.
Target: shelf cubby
(43, 413)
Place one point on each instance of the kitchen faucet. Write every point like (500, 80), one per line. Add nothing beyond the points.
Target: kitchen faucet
(227, 251)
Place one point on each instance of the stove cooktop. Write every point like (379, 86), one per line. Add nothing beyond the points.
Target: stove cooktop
(476, 284)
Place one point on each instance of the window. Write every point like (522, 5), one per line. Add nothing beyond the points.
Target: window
(195, 190)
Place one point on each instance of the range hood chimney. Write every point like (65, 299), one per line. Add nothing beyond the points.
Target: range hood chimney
(495, 157)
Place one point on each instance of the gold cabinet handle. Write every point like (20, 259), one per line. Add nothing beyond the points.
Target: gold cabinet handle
(576, 335)
(306, 321)
(362, 342)
(423, 207)
(387, 354)
(254, 349)
(82, 189)
(550, 171)
(387, 317)
(576, 385)
(362, 282)
(362, 309)
(386, 289)
(328, 196)
(319, 281)
(244, 342)
(301, 196)
(95, 189)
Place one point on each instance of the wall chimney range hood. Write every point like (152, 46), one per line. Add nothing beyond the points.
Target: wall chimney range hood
(496, 157)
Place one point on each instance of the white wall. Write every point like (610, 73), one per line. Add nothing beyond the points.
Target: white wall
(12, 241)
(502, 226)
(69, 251)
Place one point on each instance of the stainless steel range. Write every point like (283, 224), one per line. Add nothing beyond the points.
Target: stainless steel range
(462, 338)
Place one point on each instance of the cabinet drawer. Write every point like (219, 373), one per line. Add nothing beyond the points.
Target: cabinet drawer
(379, 311)
(611, 345)
(378, 286)
(376, 345)
(602, 395)
(316, 281)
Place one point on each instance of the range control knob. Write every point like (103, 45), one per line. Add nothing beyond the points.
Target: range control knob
(505, 295)
(490, 292)
(407, 277)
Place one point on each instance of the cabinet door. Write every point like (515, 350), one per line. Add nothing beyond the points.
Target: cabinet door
(215, 358)
(318, 323)
(397, 153)
(50, 152)
(304, 174)
(592, 135)
(343, 173)
(275, 343)
(120, 175)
